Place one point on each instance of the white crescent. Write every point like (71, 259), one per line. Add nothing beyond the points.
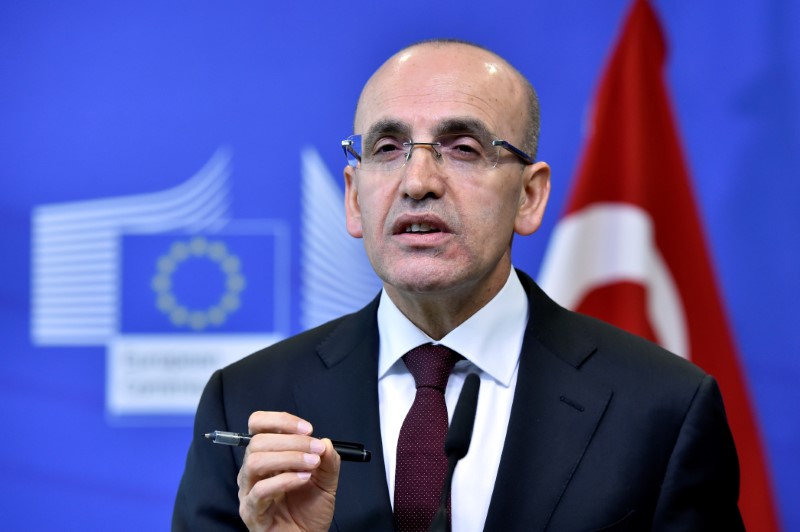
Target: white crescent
(612, 242)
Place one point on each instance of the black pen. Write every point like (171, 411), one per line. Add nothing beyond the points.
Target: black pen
(350, 452)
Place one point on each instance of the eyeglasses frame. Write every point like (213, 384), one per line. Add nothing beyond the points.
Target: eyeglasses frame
(347, 147)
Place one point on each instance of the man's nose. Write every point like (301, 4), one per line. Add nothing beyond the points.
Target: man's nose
(423, 172)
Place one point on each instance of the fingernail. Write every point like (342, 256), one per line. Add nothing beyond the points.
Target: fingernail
(304, 475)
(304, 427)
(317, 446)
(311, 459)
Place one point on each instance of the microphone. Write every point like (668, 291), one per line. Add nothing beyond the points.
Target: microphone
(456, 444)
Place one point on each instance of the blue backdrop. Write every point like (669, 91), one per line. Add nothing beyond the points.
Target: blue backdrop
(150, 147)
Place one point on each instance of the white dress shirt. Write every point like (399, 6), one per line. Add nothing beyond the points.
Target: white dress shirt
(490, 341)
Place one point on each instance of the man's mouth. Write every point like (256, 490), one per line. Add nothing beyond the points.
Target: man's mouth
(423, 228)
(419, 225)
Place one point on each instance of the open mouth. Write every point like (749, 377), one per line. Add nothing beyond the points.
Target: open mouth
(419, 225)
(422, 228)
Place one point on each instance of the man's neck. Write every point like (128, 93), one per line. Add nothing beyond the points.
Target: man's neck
(438, 313)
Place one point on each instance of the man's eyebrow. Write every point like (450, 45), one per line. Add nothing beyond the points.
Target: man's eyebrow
(449, 126)
(385, 127)
(463, 125)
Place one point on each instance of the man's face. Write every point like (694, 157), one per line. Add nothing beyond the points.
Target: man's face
(428, 229)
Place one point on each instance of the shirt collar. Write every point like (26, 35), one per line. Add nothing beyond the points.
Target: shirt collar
(491, 338)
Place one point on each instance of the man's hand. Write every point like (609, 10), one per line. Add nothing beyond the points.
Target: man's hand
(288, 479)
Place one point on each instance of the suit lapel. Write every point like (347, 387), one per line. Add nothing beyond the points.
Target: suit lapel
(340, 399)
(555, 413)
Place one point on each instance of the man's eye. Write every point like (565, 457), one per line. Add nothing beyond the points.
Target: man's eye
(387, 147)
(462, 147)
(466, 148)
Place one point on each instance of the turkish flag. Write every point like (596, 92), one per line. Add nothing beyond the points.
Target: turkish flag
(630, 248)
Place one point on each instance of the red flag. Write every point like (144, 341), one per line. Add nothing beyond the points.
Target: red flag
(630, 248)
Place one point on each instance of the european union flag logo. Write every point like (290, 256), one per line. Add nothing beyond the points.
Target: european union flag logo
(202, 283)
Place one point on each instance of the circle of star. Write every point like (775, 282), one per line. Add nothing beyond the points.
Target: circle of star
(168, 264)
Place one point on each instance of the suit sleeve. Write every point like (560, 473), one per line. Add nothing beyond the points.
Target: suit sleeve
(207, 497)
(701, 485)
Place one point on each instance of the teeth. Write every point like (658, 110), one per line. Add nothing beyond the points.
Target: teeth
(419, 228)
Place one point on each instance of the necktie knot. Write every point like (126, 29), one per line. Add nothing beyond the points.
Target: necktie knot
(431, 365)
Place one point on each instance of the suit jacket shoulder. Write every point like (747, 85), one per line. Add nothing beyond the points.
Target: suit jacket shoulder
(328, 376)
(606, 420)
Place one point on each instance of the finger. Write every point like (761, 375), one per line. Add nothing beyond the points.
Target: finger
(265, 492)
(265, 465)
(259, 466)
(266, 442)
(271, 454)
(326, 475)
(277, 422)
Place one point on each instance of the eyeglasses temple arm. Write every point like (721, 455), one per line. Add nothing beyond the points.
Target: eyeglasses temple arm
(513, 149)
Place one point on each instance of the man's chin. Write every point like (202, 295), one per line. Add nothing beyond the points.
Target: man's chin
(425, 281)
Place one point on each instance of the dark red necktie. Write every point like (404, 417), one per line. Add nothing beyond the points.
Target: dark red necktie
(421, 463)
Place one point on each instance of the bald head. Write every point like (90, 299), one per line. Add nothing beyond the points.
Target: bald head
(439, 65)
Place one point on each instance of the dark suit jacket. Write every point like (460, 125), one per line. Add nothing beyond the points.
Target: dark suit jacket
(607, 431)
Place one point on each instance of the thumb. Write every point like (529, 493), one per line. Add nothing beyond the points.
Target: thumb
(327, 474)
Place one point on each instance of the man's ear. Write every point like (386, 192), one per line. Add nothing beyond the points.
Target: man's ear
(352, 209)
(533, 198)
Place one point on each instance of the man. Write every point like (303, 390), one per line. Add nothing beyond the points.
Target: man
(579, 426)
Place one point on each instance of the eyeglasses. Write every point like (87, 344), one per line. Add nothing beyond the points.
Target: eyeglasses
(459, 152)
